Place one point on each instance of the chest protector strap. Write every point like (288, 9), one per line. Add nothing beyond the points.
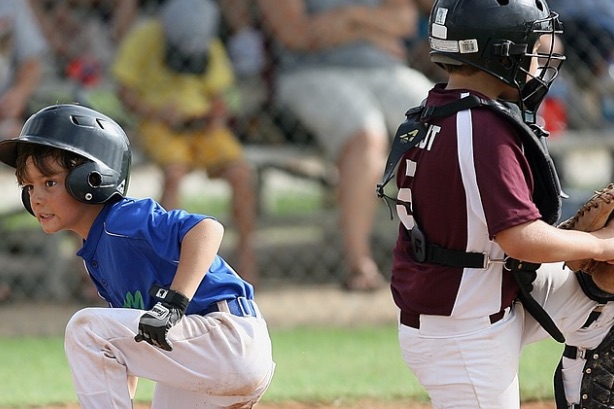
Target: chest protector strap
(547, 192)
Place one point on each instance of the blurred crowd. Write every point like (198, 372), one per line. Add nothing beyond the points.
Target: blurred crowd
(194, 81)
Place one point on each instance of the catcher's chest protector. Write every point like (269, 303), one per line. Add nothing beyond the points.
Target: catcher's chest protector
(547, 193)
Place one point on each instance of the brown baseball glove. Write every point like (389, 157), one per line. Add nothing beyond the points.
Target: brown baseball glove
(593, 215)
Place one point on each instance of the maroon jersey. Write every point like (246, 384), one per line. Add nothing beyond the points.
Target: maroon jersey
(466, 181)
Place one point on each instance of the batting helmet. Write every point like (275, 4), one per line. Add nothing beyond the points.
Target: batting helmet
(499, 37)
(87, 133)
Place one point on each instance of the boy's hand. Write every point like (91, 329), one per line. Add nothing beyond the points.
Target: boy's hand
(155, 324)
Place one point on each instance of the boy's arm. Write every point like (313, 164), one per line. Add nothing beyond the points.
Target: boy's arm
(385, 25)
(144, 111)
(198, 250)
(539, 242)
(14, 101)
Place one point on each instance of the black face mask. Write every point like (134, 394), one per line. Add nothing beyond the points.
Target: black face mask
(186, 64)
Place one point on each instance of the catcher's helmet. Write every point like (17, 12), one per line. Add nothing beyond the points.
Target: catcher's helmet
(499, 37)
(85, 132)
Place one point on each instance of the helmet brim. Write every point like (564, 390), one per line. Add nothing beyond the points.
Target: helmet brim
(8, 148)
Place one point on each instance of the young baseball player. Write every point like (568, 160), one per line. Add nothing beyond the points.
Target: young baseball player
(180, 315)
(477, 270)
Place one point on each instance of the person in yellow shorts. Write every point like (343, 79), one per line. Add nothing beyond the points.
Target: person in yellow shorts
(173, 72)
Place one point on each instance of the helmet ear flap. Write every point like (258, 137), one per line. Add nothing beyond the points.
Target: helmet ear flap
(93, 183)
(25, 200)
(90, 182)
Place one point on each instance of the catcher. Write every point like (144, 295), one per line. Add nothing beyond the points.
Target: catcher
(479, 263)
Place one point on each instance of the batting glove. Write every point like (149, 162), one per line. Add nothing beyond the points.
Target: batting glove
(155, 324)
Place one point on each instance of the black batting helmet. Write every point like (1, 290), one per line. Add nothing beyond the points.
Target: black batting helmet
(85, 132)
(499, 37)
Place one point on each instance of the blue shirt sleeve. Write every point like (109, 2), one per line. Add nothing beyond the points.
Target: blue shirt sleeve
(135, 244)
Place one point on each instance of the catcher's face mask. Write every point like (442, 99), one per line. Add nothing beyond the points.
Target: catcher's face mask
(502, 38)
(546, 62)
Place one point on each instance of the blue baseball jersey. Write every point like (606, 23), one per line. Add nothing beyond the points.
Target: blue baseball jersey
(135, 244)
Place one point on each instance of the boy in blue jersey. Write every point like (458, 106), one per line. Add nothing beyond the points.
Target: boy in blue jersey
(205, 341)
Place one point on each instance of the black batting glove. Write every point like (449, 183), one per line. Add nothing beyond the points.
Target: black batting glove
(154, 325)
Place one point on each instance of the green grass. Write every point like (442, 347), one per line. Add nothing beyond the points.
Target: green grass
(325, 364)
(313, 364)
(289, 203)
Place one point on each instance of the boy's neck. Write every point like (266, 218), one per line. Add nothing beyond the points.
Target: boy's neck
(88, 217)
(480, 82)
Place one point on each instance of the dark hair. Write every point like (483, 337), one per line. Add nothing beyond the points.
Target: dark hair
(40, 155)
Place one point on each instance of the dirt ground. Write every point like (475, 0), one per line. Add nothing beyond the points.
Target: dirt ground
(364, 404)
(378, 405)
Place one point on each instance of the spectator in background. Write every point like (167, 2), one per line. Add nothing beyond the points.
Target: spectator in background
(418, 47)
(245, 43)
(83, 35)
(84, 29)
(589, 46)
(173, 72)
(342, 71)
(22, 47)
(589, 31)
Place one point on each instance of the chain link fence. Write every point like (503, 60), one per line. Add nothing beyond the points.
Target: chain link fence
(297, 238)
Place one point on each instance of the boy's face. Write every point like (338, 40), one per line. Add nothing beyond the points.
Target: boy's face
(53, 206)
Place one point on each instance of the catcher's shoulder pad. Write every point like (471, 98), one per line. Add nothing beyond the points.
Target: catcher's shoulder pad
(548, 193)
